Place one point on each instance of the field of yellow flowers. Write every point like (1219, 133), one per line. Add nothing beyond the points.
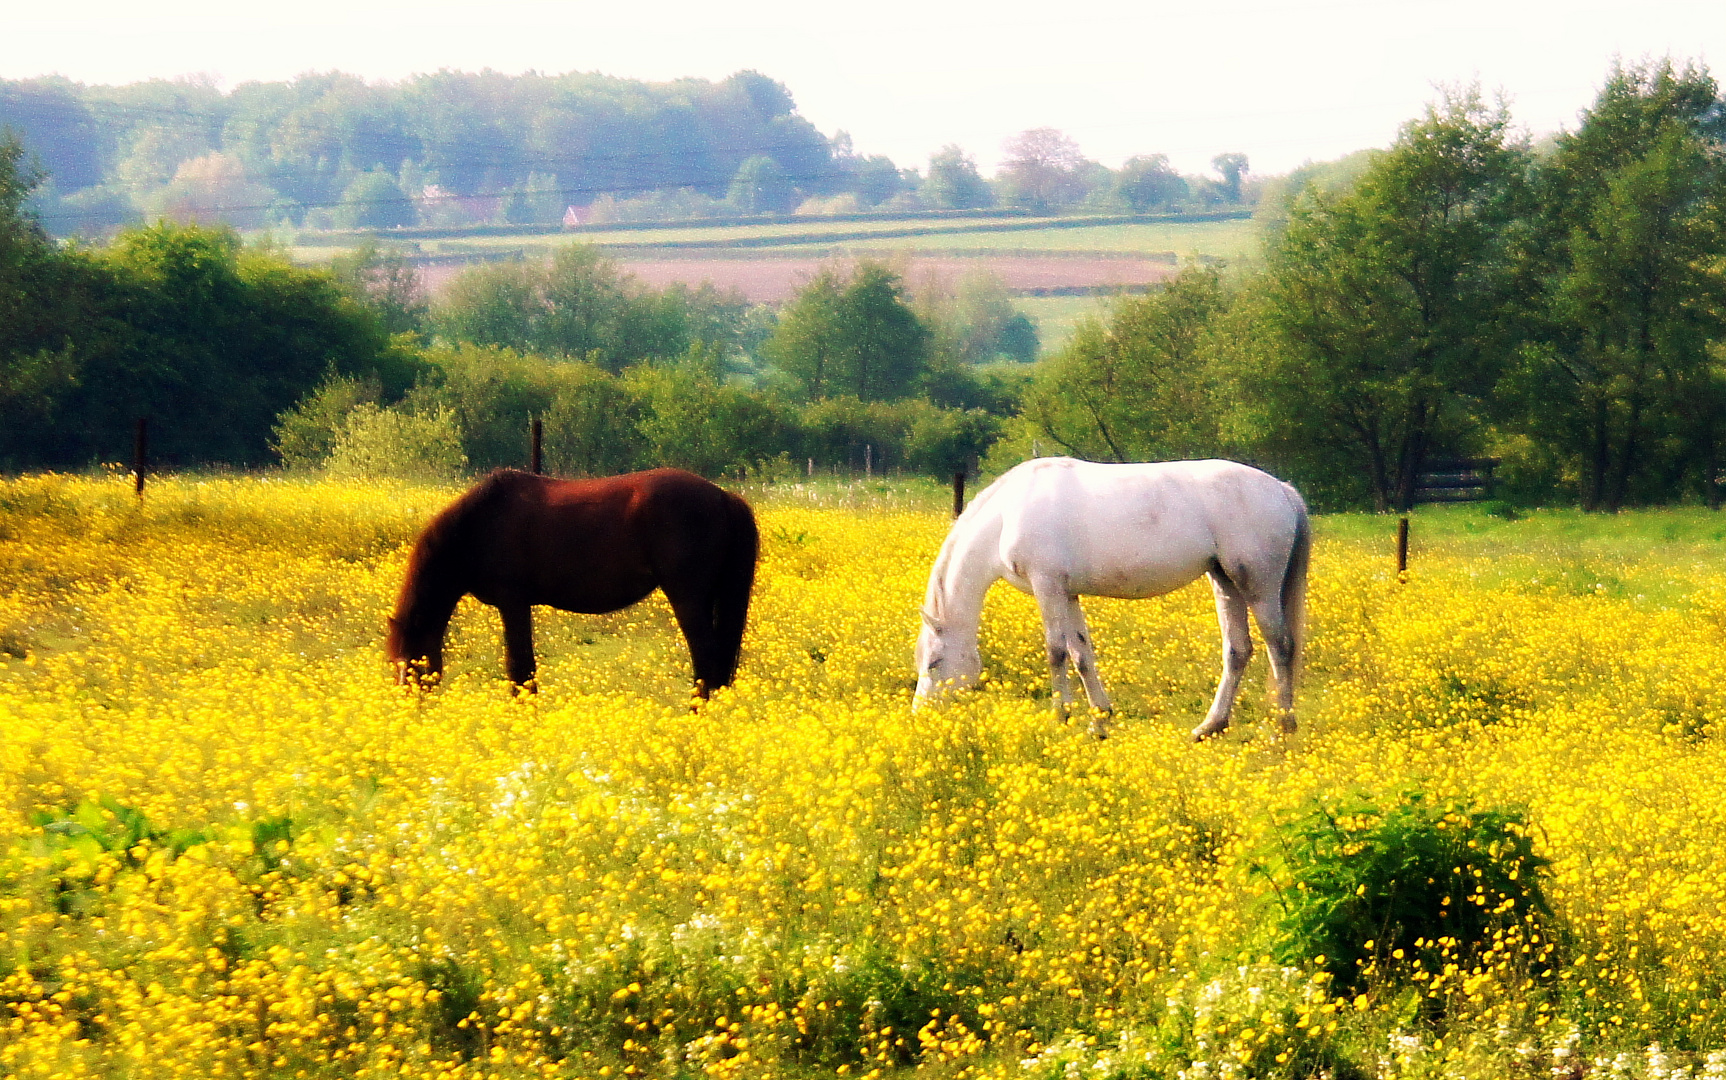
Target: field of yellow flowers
(229, 846)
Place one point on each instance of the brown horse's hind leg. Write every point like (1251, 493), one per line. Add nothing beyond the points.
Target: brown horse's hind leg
(518, 643)
(695, 617)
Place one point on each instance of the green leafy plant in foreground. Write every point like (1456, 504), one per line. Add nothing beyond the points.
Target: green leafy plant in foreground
(1412, 889)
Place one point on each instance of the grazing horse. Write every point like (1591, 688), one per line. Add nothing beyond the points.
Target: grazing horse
(516, 539)
(1060, 529)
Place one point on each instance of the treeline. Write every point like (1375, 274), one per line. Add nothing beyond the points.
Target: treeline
(855, 374)
(449, 146)
(1562, 308)
(239, 357)
(472, 408)
(453, 148)
(168, 321)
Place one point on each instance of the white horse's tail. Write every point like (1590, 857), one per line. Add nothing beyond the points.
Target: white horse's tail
(1294, 585)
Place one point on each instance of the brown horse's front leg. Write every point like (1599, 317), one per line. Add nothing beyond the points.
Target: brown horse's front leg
(518, 643)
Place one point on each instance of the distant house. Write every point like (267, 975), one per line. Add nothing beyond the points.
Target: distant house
(446, 208)
(572, 218)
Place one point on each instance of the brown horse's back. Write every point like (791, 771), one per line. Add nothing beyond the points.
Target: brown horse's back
(516, 539)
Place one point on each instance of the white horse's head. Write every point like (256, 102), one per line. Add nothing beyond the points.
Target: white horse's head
(946, 660)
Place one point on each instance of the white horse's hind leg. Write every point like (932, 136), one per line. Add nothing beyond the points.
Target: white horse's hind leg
(1085, 659)
(1237, 650)
(1280, 643)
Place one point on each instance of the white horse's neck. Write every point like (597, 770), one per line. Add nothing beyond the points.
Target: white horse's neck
(967, 565)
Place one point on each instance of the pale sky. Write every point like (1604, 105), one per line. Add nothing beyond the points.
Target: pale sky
(1282, 82)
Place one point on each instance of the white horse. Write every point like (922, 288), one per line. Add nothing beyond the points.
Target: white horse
(1060, 529)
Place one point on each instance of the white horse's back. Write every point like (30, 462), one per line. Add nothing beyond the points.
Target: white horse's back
(1141, 529)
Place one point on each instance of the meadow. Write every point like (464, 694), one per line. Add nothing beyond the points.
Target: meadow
(229, 846)
(768, 262)
(1213, 237)
(1057, 317)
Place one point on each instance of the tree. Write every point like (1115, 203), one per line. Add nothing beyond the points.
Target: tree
(974, 322)
(375, 201)
(805, 346)
(384, 281)
(1042, 170)
(218, 342)
(38, 357)
(1231, 167)
(538, 201)
(469, 134)
(53, 123)
(691, 420)
(1150, 183)
(213, 342)
(876, 179)
(1139, 387)
(855, 336)
(1388, 301)
(1629, 288)
(579, 305)
(587, 309)
(574, 305)
(215, 188)
(954, 183)
(761, 187)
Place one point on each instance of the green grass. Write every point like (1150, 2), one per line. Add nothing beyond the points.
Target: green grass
(989, 236)
(1222, 239)
(1058, 316)
(817, 230)
(1641, 555)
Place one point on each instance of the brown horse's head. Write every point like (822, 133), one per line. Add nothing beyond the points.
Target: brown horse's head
(415, 653)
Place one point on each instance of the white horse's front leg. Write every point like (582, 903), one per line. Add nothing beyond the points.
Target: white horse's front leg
(1237, 650)
(1085, 659)
(1053, 603)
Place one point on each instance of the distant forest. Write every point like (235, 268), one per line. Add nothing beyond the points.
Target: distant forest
(453, 148)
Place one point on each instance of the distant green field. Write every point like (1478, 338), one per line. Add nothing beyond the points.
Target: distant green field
(1058, 316)
(1008, 235)
(1223, 239)
(814, 228)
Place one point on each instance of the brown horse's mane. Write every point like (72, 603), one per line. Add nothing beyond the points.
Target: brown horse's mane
(428, 566)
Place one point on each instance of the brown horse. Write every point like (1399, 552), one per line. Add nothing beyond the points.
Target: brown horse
(515, 539)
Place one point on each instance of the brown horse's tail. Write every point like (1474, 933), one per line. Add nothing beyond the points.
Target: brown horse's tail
(736, 580)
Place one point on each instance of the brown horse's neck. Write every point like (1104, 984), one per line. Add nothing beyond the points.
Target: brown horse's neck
(423, 609)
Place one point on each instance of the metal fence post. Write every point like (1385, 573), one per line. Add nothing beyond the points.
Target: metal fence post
(140, 455)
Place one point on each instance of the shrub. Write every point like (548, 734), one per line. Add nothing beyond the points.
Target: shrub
(305, 434)
(379, 443)
(941, 442)
(692, 421)
(591, 428)
(1408, 887)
